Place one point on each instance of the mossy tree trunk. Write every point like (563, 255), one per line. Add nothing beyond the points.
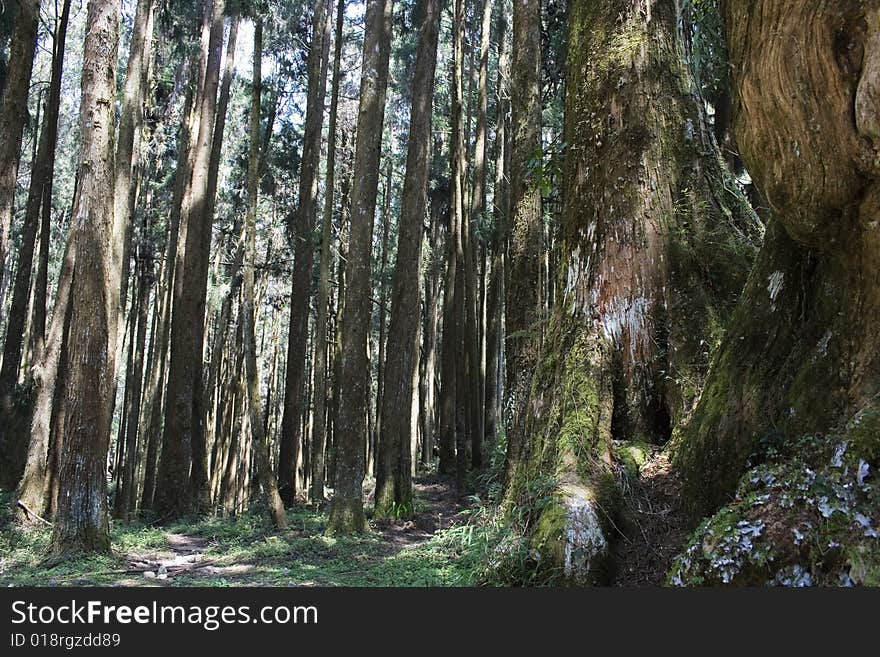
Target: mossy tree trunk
(656, 244)
(802, 354)
(524, 231)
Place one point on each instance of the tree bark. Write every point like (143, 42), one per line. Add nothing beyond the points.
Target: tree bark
(178, 490)
(81, 516)
(304, 256)
(346, 513)
(478, 207)
(248, 311)
(13, 442)
(431, 332)
(656, 247)
(497, 245)
(802, 355)
(319, 429)
(525, 229)
(393, 478)
(12, 119)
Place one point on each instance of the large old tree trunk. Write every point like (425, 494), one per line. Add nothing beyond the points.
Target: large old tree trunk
(656, 244)
(803, 353)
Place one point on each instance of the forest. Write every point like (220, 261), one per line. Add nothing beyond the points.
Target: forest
(440, 292)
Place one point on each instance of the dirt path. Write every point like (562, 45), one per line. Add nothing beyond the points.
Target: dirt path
(657, 528)
(195, 557)
(437, 508)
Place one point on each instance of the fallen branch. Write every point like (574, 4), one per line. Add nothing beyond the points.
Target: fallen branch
(28, 511)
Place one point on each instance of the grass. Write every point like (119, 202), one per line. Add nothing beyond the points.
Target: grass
(247, 551)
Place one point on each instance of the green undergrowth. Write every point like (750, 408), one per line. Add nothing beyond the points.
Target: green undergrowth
(247, 551)
(805, 514)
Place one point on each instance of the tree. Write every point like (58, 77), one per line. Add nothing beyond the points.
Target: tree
(248, 311)
(304, 255)
(128, 156)
(477, 209)
(657, 243)
(525, 227)
(88, 354)
(393, 481)
(319, 430)
(346, 512)
(500, 201)
(13, 439)
(12, 119)
(453, 363)
(801, 355)
(178, 490)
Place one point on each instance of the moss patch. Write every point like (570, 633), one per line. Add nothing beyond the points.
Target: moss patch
(808, 513)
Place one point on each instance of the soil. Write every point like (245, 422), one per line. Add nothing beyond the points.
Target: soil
(656, 527)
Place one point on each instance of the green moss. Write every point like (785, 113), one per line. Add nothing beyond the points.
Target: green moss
(346, 518)
(548, 536)
(632, 456)
(808, 514)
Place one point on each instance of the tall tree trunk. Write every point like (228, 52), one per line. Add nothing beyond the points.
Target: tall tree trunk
(393, 478)
(153, 396)
(382, 319)
(459, 318)
(319, 428)
(346, 513)
(478, 206)
(81, 517)
(524, 231)
(176, 488)
(500, 199)
(13, 446)
(344, 229)
(12, 119)
(451, 395)
(126, 494)
(430, 333)
(248, 311)
(655, 248)
(128, 145)
(304, 255)
(119, 456)
(802, 355)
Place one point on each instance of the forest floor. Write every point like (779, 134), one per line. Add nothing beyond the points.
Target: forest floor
(439, 546)
(656, 526)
